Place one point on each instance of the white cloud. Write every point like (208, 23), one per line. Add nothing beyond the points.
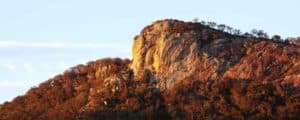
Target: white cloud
(19, 44)
(10, 84)
(7, 44)
(10, 66)
(28, 67)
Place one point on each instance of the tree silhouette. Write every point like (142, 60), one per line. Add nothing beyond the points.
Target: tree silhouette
(248, 35)
(276, 38)
(196, 20)
(221, 27)
(237, 32)
(211, 24)
(262, 34)
(203, 22)
(254, 32)
(229, 29)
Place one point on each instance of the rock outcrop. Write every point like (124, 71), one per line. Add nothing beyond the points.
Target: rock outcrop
(175, 50)
(167, 48)
(180, 70)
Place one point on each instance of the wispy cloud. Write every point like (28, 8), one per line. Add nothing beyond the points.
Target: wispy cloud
(19, 44)
(28, 67)
(8, 44)
(10, 66)
(10, 84)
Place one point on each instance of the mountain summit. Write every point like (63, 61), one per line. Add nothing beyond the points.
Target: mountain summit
(179, 70)
(176, 50)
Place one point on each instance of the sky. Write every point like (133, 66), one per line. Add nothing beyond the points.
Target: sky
(41, 38)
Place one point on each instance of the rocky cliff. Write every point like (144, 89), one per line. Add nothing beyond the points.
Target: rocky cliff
(175, 50)
(179, 70)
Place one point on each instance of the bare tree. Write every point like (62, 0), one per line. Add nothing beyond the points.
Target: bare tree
(195, 20)
(211, 24)
(262, 34)
(229, 29)
(276, 38)
(248, 35)
(224, 28)
(237, 32)
(254, 32)
(221, 27)
(203, 22)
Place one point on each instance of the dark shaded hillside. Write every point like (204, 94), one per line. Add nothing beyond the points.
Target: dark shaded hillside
(179, 70)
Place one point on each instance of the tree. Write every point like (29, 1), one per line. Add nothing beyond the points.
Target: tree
(211, 24)
(262, 34)
(203, 22)
(229, 29)
(248, 35)
(276, 38)
(221, 27)
(254, 32)
(195, 20)
(237, 32)
(259, 33)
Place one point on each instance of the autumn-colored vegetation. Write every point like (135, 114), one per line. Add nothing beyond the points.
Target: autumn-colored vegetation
(75, 96)
(237, 76)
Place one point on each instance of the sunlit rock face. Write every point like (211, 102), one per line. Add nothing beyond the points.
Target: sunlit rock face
(167, 51)
(175, 50)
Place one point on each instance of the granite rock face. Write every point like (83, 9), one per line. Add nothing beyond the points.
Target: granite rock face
(175, 50)
(169, 53)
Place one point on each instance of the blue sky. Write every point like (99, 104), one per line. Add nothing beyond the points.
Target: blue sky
(42, 38)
